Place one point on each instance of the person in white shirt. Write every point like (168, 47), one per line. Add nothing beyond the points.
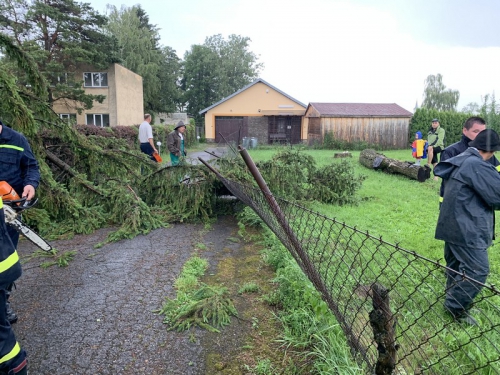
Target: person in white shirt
(146, 137)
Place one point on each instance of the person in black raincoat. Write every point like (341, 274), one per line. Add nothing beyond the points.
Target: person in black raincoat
(472, 127)
(466, 220)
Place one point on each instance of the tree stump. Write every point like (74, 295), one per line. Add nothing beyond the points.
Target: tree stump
(371, 159)
(344, 154)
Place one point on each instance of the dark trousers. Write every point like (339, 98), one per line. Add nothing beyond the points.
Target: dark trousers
(148, 150)
(14, 237)
(436, 155)
(461, 292)
(8, 344)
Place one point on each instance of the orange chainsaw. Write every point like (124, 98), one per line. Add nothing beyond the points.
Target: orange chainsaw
(13, 206)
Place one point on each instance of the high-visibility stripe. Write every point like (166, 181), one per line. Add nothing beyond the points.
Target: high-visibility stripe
(1, 203)
(9, 262)
(13, 147)
(498, 168)
(440, 199)
(15, 351)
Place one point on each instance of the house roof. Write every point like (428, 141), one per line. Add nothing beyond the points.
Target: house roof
(246, 87)
(360, 110)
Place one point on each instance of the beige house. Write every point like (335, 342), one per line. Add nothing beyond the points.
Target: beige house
(382, 124)
(259, 110)
(124, 98)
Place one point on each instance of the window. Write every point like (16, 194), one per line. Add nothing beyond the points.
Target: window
(95, 79)
(279, 124)
(63, 79)
(69, 117)
(97, 120)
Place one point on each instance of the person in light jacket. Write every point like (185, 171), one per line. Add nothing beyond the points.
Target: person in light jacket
(435, 138)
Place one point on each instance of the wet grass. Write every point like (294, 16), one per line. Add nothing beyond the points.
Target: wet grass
(256, 349)
(400, 210)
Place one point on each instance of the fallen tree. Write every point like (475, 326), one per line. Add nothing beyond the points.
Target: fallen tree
(373, 160)
(93, 177)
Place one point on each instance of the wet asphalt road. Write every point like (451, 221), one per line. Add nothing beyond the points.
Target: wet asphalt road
(96, 316)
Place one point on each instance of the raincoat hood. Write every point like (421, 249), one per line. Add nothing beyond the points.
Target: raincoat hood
(444, 169)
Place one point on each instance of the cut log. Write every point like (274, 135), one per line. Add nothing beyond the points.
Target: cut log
(344, 154)
(373, 160)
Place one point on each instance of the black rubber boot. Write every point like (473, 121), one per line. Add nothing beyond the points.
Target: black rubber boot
(10, 314)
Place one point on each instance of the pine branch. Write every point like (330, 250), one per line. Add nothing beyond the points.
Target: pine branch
(65, 167)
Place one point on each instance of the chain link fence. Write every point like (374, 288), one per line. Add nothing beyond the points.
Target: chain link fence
(387, 299)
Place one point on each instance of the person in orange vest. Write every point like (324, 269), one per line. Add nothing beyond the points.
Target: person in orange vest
(419, 148)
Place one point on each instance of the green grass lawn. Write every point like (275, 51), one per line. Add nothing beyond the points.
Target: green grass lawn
(403, 211)
(399, 209)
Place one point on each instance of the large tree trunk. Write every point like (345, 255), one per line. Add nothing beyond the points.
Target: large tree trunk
(371, 159)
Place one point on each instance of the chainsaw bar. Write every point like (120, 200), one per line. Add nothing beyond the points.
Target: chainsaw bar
(11, 219)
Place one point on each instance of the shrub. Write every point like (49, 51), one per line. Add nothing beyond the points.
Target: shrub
(337, 184)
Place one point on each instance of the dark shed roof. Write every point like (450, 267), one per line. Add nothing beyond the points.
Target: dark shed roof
(360, 110)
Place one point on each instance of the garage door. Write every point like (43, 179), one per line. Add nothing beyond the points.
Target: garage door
(230, 129)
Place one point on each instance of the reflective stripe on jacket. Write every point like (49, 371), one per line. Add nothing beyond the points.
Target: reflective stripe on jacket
(18, 165)
(10, 267)
(10, 270)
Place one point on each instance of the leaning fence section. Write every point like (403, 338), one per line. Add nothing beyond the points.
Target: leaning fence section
(388, 300)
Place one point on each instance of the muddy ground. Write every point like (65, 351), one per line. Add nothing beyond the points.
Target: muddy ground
(97, 315)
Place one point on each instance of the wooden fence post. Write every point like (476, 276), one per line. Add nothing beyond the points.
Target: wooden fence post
(383, 324)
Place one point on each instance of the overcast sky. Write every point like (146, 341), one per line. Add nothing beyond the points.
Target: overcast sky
(372, 51)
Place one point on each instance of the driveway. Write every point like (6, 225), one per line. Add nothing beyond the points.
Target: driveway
(96, 316)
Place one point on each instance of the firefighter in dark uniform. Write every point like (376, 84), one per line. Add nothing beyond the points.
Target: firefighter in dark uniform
(12, 357)
(472, 127)
(19, 168)
(466, 221)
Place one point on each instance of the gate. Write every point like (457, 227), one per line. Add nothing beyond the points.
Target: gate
(230, 129)
(284, 129)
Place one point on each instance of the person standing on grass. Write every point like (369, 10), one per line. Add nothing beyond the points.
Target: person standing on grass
(466, 221)
(472, 127)
(435, 138)
(175, 143)
(419, 148)
(146, 137)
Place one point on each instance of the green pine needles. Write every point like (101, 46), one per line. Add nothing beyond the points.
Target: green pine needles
(197, 304)
(208, 307)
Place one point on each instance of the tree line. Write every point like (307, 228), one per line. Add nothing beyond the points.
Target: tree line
(59, 35)
(441, 102)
